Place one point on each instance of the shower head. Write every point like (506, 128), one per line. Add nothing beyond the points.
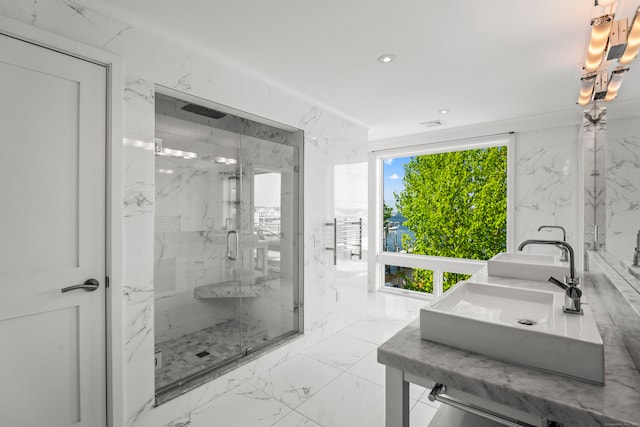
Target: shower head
(203, 111)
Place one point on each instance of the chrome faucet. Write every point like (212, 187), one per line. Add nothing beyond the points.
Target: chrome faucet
(572, 280)
(572, 294)
(565, 253)
(636, 253)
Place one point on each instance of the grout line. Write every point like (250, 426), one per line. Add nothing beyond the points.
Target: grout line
(309, 418)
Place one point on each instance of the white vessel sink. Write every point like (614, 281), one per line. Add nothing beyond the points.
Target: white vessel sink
(528, 267)
(484, 318)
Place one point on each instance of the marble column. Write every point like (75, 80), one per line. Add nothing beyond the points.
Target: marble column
(594, 141)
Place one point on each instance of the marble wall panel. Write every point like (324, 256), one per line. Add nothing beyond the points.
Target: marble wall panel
(138, 229)
(546, 185)
(623, 187)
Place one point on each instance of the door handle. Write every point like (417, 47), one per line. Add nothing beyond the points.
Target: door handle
(230, 255)
(90, 285)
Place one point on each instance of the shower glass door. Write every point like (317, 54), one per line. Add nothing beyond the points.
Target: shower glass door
(269, 217)
(227, 277)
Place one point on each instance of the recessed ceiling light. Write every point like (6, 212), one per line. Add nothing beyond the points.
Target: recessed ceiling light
(386, 58)
(444, 111)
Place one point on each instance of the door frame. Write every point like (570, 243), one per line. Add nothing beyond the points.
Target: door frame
(113, 197)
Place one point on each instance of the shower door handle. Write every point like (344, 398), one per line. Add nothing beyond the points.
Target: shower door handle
(230, 255)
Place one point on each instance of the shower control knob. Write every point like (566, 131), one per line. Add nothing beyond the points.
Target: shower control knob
(89, 285)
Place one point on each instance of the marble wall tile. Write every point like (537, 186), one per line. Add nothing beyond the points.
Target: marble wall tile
(138, 278)
(623, 187)
(138, 213)
(546, 185)
(139, 99)
(82, 24)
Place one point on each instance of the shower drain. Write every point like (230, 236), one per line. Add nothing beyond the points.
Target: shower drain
(526, 322)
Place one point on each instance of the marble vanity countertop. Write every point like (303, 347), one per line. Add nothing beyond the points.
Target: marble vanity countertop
(568, 401)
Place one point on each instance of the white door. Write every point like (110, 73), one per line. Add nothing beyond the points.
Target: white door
(52, 235)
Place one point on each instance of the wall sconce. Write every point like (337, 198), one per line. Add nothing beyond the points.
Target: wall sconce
(621, 42)
(586, 89)
(600, 29)
(614, 83)
(598, 86)
(633, 41)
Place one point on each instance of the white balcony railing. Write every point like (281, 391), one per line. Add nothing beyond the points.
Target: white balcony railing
(439, 265)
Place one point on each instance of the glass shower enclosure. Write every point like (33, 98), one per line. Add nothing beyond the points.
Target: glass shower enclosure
(227, 254)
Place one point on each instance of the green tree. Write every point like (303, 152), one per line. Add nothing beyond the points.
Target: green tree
(386, 213)
(456, 205)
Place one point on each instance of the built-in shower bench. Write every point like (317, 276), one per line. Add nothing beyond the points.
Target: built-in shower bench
(228, 289)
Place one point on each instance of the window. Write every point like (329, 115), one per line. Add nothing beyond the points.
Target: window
(440, 204)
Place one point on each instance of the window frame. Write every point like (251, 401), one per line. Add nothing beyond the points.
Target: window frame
(379, 258)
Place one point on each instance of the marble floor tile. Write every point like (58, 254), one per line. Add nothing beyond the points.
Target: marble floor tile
(418, 392)
(376, 331)
(350, 401)
(347, 401)
(421, 415)
(245, 406)
(394, 307)
(295, 419)
(369, 369)
(296, 380)
(340, 350)
(329, 377)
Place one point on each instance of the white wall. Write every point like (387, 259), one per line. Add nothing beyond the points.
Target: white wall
(150, 60)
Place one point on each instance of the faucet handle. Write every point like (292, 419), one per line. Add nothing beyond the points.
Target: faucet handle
(572, 281)
(572, 301)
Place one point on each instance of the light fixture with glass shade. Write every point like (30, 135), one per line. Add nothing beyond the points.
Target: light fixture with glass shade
(633, 41)
(600, 29)
(610, 40)
(587, 84)
(614, 83)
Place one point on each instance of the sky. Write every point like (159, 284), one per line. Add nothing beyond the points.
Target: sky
(393, 171)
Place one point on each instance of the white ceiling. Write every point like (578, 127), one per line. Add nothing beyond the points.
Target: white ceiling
(486, 61)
